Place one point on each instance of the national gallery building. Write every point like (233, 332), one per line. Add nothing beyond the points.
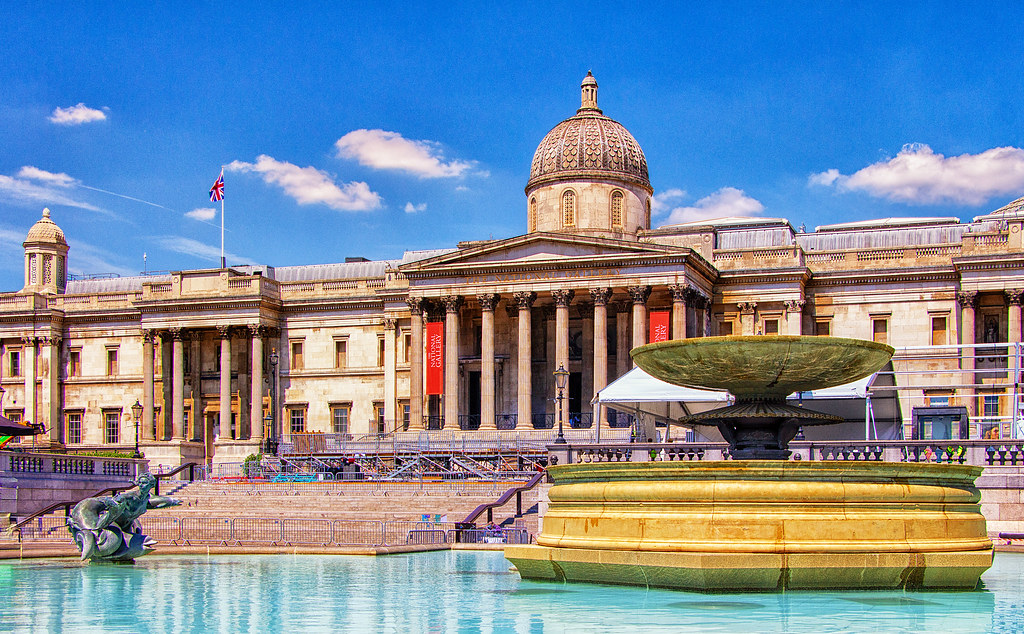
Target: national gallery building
(466, 339)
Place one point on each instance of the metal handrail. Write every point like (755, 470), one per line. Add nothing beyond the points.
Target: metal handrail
(505, 497)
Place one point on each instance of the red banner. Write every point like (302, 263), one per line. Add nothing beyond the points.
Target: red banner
(661, 321)
(435, 357)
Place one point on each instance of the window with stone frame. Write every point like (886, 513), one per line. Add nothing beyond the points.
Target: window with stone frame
(47, 269)
(823, 327)
(297, 361)
(14, 362)
(405, 409)
(112, 364)
(340, 414)
(569, 208)
(380, 352)
(406, 347)
(939, 331)
(112, 427)
(15, 415)
(617, 199)
(74, 427)
(880, 330)
(340, 353)
(724, 328)
(75, 362)
(771, 326)
(378, 417)
(297, 419)
(533, 214)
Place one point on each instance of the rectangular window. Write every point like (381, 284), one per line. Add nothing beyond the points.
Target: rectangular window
(112, 427)
(14, 363)
(405, 417)
(938, 331)
(297, 418)
(880, 330)
(296, 349)
(380, 352)
(725, 328)
(74, 363)
(991, 405)
(823, 328)
(406, 346)
(15, 415)
(340, 353)
(378, 416)
(111, 361)
(74, 434)
(339, 418)
(771, 326)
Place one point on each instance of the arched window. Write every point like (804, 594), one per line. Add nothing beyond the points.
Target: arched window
(647, 216)
(569, 209)
(617, 209)
(532, 220)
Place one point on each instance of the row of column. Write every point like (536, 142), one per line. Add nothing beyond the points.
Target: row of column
(792, 324)
(40, 362)
(174, 356)
(682, 298)
(968, 302)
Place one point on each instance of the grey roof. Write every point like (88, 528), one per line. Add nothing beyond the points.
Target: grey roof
(426, 254)
(113, 284)
(338, 271)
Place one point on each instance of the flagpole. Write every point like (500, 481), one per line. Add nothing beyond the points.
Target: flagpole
(223, 263)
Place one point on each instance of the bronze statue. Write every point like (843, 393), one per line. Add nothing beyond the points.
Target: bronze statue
(108, 528)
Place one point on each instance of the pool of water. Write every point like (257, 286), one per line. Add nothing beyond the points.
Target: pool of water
(453, 591)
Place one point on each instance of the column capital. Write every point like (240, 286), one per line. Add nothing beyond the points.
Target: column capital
(794, 305)
(639, 294)
(563, 296)
(524, 299)
(681, 292)
(967, 299)
(488, 301)
(390, 323)
(148, 336)
(415, 304)
(512, 309)
(194, 335)
(1015, 297)
(747, 308)
(224, 332)
(452, 303)
(257, 331)
(600, 295)
(28, 341)
(177, 334)
(699, 299)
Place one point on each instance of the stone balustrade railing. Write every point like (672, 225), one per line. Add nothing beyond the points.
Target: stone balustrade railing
(20, 465)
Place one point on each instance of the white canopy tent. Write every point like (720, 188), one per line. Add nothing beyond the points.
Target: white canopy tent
(654, 401)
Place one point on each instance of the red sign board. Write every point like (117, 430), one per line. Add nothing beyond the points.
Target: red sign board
(435, 357)
(660, 326)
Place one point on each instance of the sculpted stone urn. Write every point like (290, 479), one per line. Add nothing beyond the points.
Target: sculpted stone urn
(760, 522)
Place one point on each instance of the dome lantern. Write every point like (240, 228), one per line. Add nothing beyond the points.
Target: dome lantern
(46, 252)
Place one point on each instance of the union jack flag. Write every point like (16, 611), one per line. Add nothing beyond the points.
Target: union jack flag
(217, 191)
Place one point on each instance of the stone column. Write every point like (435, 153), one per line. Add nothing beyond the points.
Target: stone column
(49, 372)
(488, 302)
(967, 301)
(452, 304)
(622, 339)
(680, 294)
(224, 422)
(747, 319)
(1014, 299)
(416, 364)
(524, 369)
(177, 384)
(794, 315)
(600, 296)
(148, 423)
(256, 402)
(196, 381)
(390, 374)
(242, 381)
(31, 402)
(163, 425)
(562, 297)
(639, 295)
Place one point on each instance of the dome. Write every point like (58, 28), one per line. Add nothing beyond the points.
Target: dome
(589, 144)
(46, 230)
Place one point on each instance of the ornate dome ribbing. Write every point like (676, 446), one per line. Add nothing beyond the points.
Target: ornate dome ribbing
(589, 144)
(46, 230)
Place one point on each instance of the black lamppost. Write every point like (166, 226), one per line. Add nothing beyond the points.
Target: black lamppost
(561, 380)
(137, 415)
(272, 440)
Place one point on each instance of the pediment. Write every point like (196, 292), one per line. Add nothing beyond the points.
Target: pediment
(543, 249)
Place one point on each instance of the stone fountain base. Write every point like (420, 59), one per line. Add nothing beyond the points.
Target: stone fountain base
(760, 525)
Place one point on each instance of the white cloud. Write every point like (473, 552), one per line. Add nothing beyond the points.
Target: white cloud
(197, 249)
(727, 201)
(918, 175)
(385, 150)
(411, 208)
(202, 213)
(50, 192)
(34, 173)
(76, 115)
(310, 186)
(662, 203)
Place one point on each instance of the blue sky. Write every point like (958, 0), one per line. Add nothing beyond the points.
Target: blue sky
(367, 129)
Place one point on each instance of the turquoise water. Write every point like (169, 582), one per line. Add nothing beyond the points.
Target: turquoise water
(452, 591)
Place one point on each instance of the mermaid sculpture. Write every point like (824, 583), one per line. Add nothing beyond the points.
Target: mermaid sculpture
(108, 528)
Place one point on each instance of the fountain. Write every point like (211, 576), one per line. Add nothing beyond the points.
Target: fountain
(760, 522)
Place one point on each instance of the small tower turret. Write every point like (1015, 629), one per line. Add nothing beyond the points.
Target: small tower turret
(46, 253)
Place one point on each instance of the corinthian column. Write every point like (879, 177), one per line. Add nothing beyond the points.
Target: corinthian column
(1014, 299)
(747, 319)
(524, 408)
(680, 294)
(256, 400)
(488, 302)
(794, 315)
(639, 295)
(390, 375)
(562, 299)
(600, 296)
(224, 424)
(452, 304)
(148, 423)
(29, 369)
(177, 385)
(416, 364)
(967, 300)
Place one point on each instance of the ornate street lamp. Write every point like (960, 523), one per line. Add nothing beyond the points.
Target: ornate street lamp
(137, 415)
(561, 380)
(273, 436)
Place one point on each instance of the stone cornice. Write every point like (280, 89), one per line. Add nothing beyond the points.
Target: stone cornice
(886, 276)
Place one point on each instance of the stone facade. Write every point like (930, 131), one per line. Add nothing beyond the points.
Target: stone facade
(223, 359)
